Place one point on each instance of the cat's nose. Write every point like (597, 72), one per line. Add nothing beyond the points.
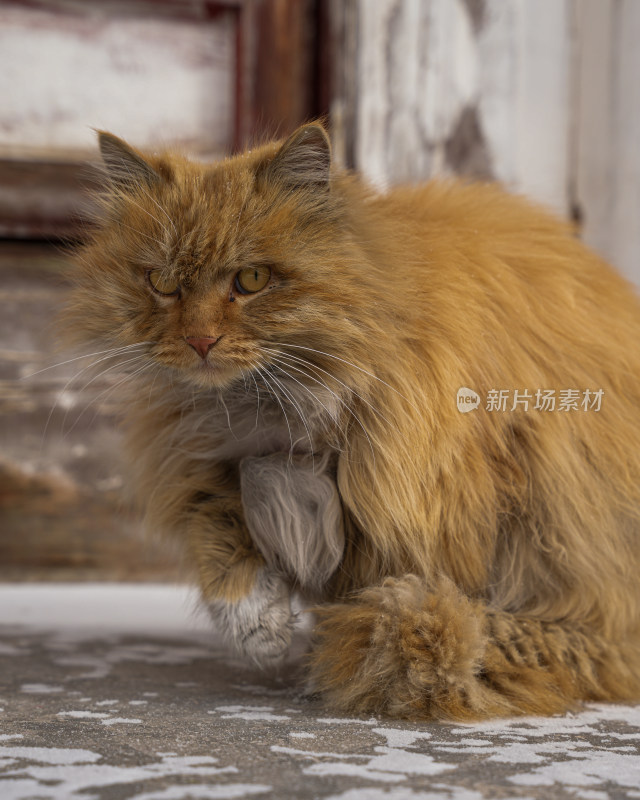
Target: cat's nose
(202, 344)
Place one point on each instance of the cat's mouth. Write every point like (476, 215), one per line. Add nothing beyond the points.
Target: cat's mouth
(211, 373)
(207, 366)
(212, 370)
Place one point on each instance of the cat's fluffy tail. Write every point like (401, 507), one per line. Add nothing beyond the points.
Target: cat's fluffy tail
(419, 652)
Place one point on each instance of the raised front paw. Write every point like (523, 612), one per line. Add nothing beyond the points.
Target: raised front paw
(293, 512)
(259, 625)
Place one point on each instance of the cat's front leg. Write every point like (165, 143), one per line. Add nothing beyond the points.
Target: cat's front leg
(260, 624)
(293, 511)
(249, 601)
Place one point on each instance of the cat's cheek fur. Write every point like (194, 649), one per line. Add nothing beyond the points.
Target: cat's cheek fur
(260, 625)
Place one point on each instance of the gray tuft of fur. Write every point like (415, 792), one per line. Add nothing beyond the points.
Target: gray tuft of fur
(293, 512)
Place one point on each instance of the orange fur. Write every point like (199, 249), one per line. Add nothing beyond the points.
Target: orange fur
(491, 558)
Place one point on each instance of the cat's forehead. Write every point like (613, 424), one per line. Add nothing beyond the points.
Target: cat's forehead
(211, 191)
(232, 181)
(228, 183)
(209, 210)
(219, 217)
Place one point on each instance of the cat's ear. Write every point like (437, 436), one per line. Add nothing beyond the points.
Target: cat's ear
(126, 168)
(304, 160)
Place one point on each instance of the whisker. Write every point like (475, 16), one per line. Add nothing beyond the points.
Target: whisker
(281, 366)
(101, 374)
(275, 395)
(148, 213)
(153, 383)
(249, 391)
(112, 350)
(351, 364)
(308, 390)
(258, 397)
(104, 394)
(141, 233)
(108, 369)
(141, 188)
(112, 354)
(178, 244)
(333, 377)
(297, 407)
(108, 391)
(160, 208)
(346, 405)
(226, 411)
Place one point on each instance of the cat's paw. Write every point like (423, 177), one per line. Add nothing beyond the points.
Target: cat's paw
(402, 649)
(260, 625)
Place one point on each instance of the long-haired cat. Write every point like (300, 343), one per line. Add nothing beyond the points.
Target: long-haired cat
(298, 342)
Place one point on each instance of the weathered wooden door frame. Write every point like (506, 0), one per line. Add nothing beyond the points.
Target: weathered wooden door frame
(280, 80)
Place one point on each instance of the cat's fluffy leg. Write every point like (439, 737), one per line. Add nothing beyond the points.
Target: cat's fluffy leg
(248, 601)
(409, 651)
(292, 509)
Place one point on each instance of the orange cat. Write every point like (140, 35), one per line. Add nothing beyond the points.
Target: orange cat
(300, 342)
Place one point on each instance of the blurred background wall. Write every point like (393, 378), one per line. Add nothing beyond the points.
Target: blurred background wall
(542, 95)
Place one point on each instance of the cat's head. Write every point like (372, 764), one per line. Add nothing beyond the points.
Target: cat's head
(216, 268)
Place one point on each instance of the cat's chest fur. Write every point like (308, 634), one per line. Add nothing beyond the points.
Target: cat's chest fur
(246, 424)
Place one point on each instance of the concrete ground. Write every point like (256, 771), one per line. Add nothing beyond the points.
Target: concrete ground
(119, 691)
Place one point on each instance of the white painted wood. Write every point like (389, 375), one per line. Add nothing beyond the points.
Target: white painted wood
(608, 139)
(150, 80)
(551, 87)
(625, 247)
(417, 71)
(421, 65)
(593, 153)
(524, 105)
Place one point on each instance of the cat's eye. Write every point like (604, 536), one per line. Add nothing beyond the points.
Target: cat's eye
(162, 284)
(252, 279)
